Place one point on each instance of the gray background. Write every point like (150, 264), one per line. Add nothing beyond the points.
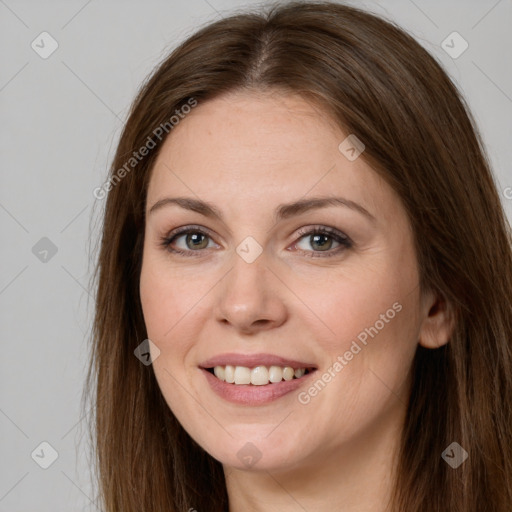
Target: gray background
(61, 119)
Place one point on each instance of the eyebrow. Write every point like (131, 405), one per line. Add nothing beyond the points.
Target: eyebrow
(283, 211)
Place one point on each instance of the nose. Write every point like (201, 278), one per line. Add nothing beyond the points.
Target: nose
(251, 298)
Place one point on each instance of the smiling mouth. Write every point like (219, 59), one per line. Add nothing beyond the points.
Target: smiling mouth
(258, 375)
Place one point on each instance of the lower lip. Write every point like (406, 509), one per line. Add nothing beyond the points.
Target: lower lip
(248, 394)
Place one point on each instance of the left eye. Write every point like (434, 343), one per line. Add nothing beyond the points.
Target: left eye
(196, 240)
(323, 239)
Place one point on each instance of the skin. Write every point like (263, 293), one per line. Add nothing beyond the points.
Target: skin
(247, 153)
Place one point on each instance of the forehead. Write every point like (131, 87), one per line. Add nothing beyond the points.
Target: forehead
(259, 147)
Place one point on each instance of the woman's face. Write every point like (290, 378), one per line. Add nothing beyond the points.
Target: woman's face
(252, 288)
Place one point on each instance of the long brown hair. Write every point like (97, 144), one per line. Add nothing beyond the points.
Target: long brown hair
(381, 85)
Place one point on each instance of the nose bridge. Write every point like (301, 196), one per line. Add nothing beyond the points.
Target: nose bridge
(248, 296)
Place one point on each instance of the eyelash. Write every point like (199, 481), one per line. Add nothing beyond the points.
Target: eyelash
(338, 236)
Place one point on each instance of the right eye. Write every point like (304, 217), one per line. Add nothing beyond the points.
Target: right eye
(194, 241)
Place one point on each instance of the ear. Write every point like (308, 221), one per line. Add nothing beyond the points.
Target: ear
(438, 321)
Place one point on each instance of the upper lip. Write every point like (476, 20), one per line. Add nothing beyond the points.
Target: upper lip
(252, 360)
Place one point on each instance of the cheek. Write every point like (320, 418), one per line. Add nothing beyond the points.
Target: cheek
(157, 305)
(375, 322)
(167, 314)
(356, 305)
(370, 318)
(166, 298)
(174, 313)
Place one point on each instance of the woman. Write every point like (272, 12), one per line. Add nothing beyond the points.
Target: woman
(304, 286)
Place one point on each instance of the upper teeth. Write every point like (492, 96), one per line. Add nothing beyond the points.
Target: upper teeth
(258, 376)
